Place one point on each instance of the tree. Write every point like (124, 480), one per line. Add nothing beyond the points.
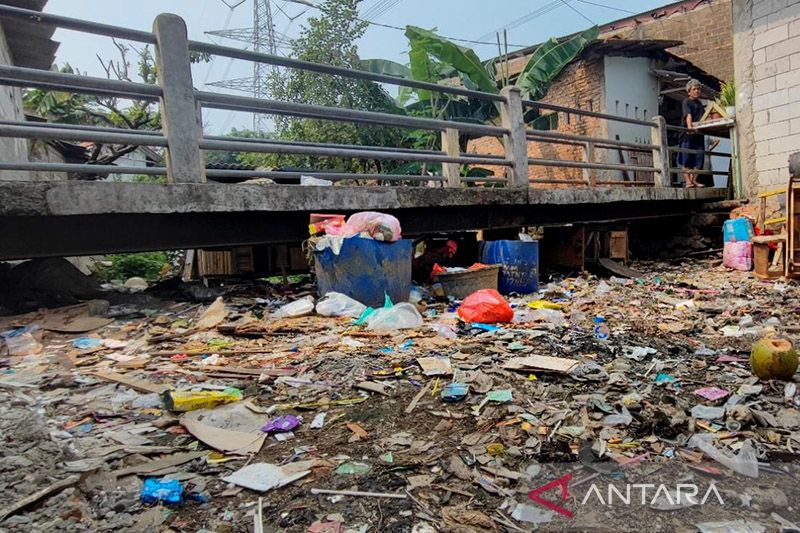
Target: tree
(434, 59)
(81, 109)
(330, 39)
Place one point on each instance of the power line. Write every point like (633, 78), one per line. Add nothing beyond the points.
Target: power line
(524, 19)
(444, 36)
(607, 7)
(471, 41)
(578, 12)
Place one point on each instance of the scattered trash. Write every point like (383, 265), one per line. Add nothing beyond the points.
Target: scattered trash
(337, 304)
(486, 306)
(169, 491)
(455, 392)
(262, 477)
(298, 308)
(183, 401)
(281, 424)
(400, 316)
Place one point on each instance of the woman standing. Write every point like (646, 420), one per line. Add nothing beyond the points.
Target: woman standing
(692, 112)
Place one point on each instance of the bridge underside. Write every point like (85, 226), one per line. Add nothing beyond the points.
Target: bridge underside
(79, 218)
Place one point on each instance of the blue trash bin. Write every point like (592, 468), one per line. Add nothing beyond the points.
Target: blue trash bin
(520, 264)
(365, 269)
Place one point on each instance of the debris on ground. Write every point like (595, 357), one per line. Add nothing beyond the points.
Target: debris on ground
(435, 416)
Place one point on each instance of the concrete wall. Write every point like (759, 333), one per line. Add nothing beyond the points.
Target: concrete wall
(704, 26)
(767, 70)
(11, 109)
(632, 92)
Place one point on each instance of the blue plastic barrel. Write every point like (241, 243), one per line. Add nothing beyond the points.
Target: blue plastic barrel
(520, 264)
(365, 269)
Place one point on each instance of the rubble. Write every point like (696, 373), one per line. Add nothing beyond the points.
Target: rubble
(315, 423)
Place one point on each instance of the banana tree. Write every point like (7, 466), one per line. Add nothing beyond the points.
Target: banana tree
(434, 59)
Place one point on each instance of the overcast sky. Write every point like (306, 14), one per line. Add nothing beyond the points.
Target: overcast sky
(528, 22)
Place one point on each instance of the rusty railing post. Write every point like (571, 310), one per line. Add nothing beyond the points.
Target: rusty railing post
(516, 141)
(661, 156)
(180, 114)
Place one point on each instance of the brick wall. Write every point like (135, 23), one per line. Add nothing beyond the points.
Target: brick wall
(706, 31)
(580, 85)
(767, 41)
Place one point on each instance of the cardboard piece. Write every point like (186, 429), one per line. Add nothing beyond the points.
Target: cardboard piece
(435, 366)
(262, 477)
(72, 319)
(232, 428)
(544, 363)
(136, 384)
(213, 315)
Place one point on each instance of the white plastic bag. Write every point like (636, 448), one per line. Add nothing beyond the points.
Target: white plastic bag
(338, 304)
(744, 463)
(401, 316)
(379, 226)
(301, 307)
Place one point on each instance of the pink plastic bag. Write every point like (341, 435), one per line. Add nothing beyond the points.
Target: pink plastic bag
(379, 226)
(738, 255)
(485, 306)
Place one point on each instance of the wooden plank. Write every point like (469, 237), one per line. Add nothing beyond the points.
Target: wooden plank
(618, 269)
(134, 383)
(36, 496)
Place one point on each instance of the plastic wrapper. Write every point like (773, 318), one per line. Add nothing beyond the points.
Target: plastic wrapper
(182, 401)
(154, 490)
(21, 342)
(401, 316)
(486, 306)
(379, 226)
(744, 463)
(338, 304)
(738, 255)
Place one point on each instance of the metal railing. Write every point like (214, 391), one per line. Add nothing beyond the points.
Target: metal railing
(182, 137)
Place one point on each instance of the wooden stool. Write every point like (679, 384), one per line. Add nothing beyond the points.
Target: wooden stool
(761, 262)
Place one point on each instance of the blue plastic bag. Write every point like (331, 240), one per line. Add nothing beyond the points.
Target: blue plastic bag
(156, 490)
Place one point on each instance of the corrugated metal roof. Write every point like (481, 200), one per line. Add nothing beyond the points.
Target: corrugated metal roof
(30, 43)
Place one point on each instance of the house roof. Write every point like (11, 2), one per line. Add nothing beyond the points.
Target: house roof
(30, 43)
(629, 22)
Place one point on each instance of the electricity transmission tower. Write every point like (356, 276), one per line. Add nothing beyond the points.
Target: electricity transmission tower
(261, 38)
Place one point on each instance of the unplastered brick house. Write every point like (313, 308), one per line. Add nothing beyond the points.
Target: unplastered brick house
(637, 69)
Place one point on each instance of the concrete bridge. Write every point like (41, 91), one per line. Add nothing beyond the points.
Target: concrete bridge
(193, 210)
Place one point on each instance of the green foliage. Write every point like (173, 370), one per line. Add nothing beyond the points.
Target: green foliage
(547, 62)
(426, 45)
(145, 265)
(330, 39)
(242, 158)
(386, 67)
(727, 94)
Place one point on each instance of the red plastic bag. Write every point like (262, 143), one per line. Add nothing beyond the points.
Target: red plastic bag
(485, 306)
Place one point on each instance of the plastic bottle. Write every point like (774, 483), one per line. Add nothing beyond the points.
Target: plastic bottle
(601, 331)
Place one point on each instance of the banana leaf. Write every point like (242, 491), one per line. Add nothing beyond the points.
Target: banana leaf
(549, 60)
(384, 66)
(426, 44)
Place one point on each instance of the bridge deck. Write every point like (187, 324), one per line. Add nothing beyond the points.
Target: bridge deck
(74, 218)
